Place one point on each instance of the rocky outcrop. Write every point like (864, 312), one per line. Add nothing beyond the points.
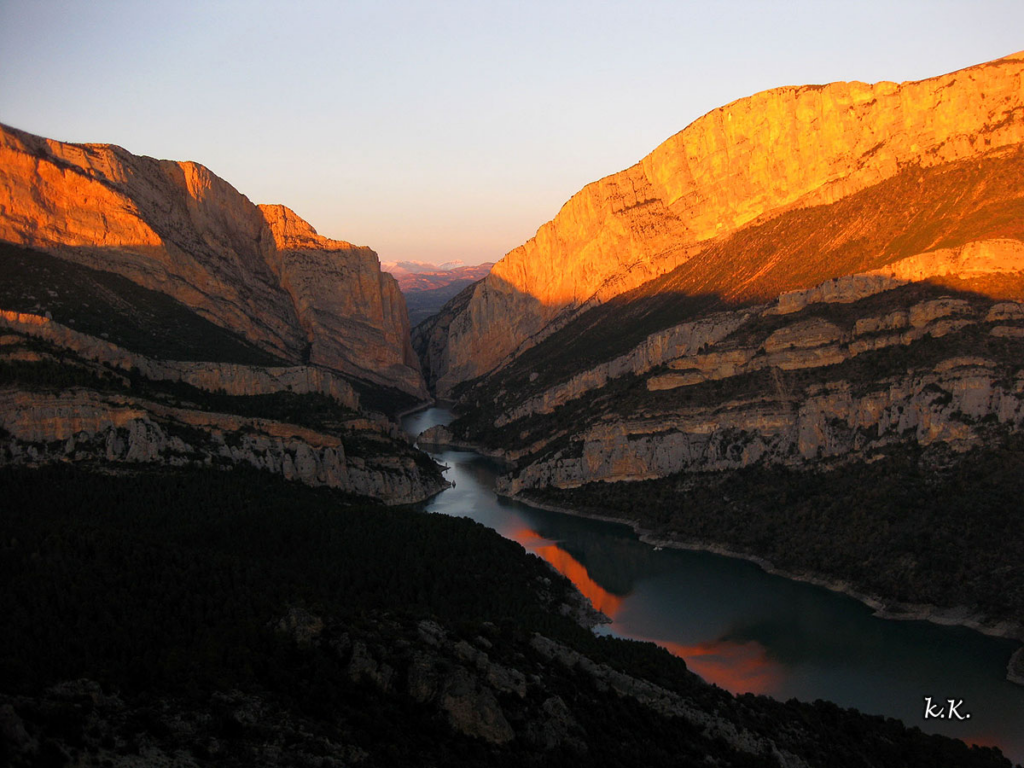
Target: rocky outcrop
(230, 378)
(689, 349)
(659, 347)
(486, 700)
(952, 405)
(660, 700)
(177, 228)
(977, 258)
(738, 166)
(81, 425)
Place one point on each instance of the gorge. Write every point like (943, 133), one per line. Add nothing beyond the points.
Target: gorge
(740, 627)
(794, 332)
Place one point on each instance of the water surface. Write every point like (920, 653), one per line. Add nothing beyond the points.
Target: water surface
(751, 631)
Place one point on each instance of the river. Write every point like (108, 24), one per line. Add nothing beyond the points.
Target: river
(750, 631)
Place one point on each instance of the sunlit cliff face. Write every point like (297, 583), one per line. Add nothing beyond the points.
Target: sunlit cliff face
(177, 228)
(739, 166)
(812, 144)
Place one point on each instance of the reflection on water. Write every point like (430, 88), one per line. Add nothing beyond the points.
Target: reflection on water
(749, 631)
(568, 566)
(741, 667)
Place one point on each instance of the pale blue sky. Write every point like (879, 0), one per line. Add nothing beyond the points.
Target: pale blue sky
(444, 130)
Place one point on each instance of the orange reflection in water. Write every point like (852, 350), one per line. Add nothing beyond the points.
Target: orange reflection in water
(737, 667)
(572, 569)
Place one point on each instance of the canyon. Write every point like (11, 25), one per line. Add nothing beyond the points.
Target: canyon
(427, 287)
(805, 276)
(805, 305)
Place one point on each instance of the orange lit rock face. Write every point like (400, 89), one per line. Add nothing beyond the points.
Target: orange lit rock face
(744, 163)
(353, 314)
(179, 229)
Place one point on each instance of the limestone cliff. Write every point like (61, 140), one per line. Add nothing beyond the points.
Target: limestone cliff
(353, 314)
(66, 396)
(80, 425)
(735, 169)
(177, 228)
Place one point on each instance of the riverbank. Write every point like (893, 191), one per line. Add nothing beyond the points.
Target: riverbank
(883, 608)
(440, 437)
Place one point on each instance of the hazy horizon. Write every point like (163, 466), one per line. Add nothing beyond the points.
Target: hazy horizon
(447, 132)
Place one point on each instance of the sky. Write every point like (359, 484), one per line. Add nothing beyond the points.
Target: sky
(441, 131)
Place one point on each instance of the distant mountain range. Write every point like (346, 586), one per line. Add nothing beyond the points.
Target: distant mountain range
(428, 286)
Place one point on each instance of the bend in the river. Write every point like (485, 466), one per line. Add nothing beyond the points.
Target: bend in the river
(747, 630)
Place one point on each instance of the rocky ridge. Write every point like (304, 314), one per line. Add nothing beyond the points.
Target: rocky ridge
(231, 378)
(84, 426)
(738, 167)
(526, 708)
(689, 352)
(836, 372)
(67, 396)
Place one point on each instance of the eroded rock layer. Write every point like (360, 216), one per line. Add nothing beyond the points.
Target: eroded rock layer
(912, 354)
(229, 378)
(85, 426)
(68, 397)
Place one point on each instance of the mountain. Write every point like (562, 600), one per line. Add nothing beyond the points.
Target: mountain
(794, 332)
(151, 316)
(177, 228)
(779, 191)
(414, 267)
(427, 287)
